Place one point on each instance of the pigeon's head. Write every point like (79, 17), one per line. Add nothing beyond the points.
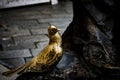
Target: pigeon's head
(52, 30)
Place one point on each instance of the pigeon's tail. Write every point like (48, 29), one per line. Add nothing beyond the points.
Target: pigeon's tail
(17, 70)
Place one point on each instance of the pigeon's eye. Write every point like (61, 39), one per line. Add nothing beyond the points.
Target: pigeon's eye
(53, 31)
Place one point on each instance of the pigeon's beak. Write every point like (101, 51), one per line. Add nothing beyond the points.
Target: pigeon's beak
(58, 29)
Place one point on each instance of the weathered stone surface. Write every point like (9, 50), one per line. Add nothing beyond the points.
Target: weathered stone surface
(14, 63)
(3, 69)
(62, 15)
(39, 31)
(22, 22)
(37, 16)
(40, 46)
(19, 45)
(6, 40)
(21, 33)
(60, 24)
(14, 54)
(43, 20)
(35, 51)
(28, 59)
(35, 38)
(37, 26)
(14, 33)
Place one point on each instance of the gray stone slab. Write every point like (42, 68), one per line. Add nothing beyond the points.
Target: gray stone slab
(22, 22)
(37, 26)
(14, 62)
(61, 23)
(33, 38)
(40, 46)
(37, 16)
(11, 16)
(6, 40)
(5, 34)
(35, 51)
(15, 54)
(39, 31)
(3, 69)
(62, 15)
(21, 33)
(43, 20)
(13, 27)
(28, 59)
(17, 46)
(12, 33)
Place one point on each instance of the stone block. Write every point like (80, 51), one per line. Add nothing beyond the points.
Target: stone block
(13, 62)
(22, 22)
(6, 40)
(33, 38)
(41, 44)
(3, 69)
(37, 26)
(15, 54)
(28, 59)
(13, 33)
(37, 16)
(21, 33)
(64, 15)
(20, 45)
(62, 24)
(35, 51)
(44, 20)
(39, 31)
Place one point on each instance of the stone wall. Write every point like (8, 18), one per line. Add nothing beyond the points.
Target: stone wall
(14, 3)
